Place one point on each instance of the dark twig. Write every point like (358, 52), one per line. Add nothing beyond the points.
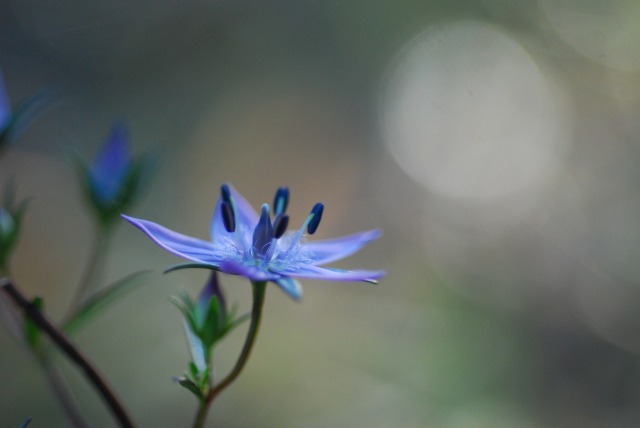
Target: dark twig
(69, 349)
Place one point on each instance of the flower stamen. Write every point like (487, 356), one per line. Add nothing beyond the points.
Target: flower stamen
(280, 224)
(313, 221)
(228, 219)
(310, 224)
(280, 201)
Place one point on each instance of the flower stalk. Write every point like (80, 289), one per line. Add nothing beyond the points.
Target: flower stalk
(259, 291)
(92, 267)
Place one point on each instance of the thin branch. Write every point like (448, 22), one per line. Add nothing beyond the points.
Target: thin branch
(91, 268)
(15, 322)
(70, 350)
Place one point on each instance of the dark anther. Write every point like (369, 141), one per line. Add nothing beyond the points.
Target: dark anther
(316, 216)
(280, 201)
(280, 225)
(225, 193)
(228, 219)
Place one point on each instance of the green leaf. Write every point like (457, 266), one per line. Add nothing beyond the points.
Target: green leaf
(193, 369)
(204, 379)
(102, 299)
(196, 348)
(24, 114)
(231, 323)
(190, 266)
(211, 325)
(28, 111)
(191, 386)
(184, 303)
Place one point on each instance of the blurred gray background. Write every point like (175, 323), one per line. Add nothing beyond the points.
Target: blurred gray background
(495, 142)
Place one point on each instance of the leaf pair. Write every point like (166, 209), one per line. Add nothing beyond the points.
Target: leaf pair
(206, 321)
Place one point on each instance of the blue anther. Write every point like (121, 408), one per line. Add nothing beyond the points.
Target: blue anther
(280, 224)
(280, 201)
(225, 193)
(228, 219)
(316, 216)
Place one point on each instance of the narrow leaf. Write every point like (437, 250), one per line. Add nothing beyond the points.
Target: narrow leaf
(190, 385)
(28, 111)
(191, 266)
(196, 348)
(100, 300)
(231, 324)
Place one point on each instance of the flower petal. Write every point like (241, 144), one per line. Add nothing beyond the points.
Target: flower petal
(176, 243)
(335, 249)
(112, 163)
(316, 272)
(246, 217)
(252, 272)
(290, 286)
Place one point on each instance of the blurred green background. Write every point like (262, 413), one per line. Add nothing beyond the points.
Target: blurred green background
(495, 142)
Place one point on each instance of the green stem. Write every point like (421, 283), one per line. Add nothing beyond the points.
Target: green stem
(259, 289)
(91, 268)
(203, 409)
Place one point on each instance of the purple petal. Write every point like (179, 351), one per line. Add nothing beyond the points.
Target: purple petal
(290, 286)
(252, 272)
(246, 217)
(112, 163)
(5, 108)
(176, 243)
(335, 249)
(316, 272)
(210, 289)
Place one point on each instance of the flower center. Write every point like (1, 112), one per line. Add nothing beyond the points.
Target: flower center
(266, 234)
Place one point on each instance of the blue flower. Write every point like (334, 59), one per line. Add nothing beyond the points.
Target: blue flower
(112, 180)
(260, 248)
(109, 169)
